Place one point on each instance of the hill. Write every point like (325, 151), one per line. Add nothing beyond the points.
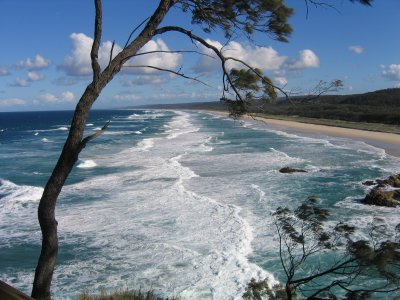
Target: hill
(382, 106)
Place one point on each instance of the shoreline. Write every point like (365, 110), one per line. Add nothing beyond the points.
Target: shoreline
(390, 142)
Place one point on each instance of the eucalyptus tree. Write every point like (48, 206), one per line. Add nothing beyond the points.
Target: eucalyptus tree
(269, 17)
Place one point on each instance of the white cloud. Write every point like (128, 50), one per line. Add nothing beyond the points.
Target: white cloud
(281, 80)
(164, 60)
(391, 72)
(20, 82)
(78, 62)
(53, 99)
(356, 49)
(264, 58)
(127, 97)
(307, 59)
(145, 80)
(12, 102)
(33, 76)
(68, 96)
(4, 72)
(39, 62)
(49, 98)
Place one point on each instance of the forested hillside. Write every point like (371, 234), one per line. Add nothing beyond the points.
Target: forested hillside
(382, 106)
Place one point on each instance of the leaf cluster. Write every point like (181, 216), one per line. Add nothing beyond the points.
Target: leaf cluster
(252, 89)
(244, 16)
(304, 236)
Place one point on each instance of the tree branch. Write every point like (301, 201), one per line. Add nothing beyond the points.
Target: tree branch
(167, 70)
(133, 31)
(95, 135)
(94, 53)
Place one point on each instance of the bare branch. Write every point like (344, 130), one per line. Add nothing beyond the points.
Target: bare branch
(94, 53)
(133, 31)
(172, 51)
(111, 52)
(95, 135)
(179, 73)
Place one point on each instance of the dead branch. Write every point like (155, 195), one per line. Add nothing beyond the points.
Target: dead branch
(179, 73)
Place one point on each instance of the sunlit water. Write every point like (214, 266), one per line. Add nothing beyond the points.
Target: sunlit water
(179, 202)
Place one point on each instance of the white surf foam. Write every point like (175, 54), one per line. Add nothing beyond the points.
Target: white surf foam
(87, 164)
(145, 144)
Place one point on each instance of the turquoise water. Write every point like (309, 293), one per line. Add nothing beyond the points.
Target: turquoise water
(177, 201)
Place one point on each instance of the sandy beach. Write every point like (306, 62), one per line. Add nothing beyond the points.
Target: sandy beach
(390, 142)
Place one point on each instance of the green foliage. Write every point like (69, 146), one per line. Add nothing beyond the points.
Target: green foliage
(304, 234)
(243, 16)
(256, 290)
(252, 89)
(381, 106)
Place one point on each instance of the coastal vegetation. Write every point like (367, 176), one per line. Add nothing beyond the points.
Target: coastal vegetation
(341, 265)
(378, 110)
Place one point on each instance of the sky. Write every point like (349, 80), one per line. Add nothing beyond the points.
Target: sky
(45, 53)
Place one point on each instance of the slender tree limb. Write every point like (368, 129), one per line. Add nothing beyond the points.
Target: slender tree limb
(94, 53)
(179, 73)
(207, 45)
(172, 52)
(133, 31)
(95, 135)
(111, 53)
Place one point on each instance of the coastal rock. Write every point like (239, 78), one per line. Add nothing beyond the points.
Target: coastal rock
(393, 181)
(380, 197)
(385, 193)
(369, 182)
(291, 170)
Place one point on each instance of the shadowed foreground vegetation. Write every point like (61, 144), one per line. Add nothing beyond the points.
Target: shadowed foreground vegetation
(123, 295)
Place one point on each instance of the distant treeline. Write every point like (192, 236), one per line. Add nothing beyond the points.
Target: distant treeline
(382, 106)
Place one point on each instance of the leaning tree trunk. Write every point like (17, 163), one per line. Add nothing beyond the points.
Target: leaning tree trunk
(75, 142)
(46, 211)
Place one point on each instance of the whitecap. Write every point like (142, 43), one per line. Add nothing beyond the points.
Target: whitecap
(36, 133)
(89, 124)
(87, 164)
(145, 145)
(45, 140)
(11, 192)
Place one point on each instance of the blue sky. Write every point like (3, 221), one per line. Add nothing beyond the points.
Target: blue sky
(44, 62)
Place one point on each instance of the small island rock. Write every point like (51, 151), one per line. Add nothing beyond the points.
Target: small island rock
(385, 193)
(383, 198)
(291, 170)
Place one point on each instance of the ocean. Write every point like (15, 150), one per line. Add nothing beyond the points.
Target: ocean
(176, 201)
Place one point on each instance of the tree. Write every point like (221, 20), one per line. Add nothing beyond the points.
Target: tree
(321, 260)
(269, 17)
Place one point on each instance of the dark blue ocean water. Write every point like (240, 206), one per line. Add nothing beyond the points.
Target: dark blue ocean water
(177, 201)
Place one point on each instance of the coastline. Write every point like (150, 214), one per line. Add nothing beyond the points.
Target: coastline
(390, 142)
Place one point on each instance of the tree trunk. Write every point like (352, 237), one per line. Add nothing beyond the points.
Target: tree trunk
(46, 211)
(74, 144)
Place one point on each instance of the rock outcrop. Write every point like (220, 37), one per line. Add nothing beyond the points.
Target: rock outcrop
(385, 193)
(291, 170)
